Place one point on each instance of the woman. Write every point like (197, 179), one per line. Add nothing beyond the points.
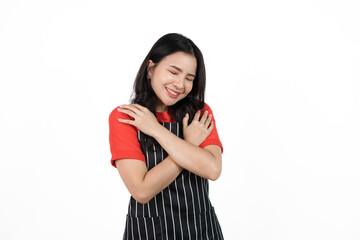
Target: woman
(165, 146)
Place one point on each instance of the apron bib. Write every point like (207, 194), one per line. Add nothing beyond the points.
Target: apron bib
(181, 211)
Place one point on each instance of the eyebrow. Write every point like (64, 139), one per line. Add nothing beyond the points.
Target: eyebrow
(179, 69)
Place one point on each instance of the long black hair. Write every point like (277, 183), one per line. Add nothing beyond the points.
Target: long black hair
(143, 93)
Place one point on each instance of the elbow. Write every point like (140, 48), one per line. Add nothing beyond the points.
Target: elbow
(142, 200)
(215, 174)
(141, 197)
(215, 167)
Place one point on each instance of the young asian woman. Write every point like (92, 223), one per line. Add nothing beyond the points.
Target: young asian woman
(166, 147)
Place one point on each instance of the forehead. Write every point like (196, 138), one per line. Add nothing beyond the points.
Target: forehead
(185, 61)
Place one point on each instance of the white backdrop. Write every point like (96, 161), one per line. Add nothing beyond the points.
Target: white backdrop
(283, 82)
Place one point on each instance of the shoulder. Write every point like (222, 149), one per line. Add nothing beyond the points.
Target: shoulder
(114, 123)
(206, 108)
(115, 114)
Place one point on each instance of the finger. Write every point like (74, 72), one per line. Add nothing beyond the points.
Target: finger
(142, 108)
(197, 115)
(211, 126)
(204, 117)
(131, 107)
(208, 121)
(186, 120)
(128, 112)
(127, 121)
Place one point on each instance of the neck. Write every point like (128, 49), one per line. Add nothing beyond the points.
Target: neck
(160, 107)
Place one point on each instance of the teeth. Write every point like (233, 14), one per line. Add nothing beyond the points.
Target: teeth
(172, 92)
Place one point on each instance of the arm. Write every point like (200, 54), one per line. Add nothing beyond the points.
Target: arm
(205, 162)
(130, 162)
(142, 184)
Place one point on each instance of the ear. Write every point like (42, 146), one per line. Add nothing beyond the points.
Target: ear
(150, 67)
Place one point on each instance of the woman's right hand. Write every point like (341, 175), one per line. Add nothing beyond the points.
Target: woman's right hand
(199, 129)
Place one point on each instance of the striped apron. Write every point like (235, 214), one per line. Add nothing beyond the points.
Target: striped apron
(181, 211)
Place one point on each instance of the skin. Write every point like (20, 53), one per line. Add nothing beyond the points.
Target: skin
(144, 184)
(176, 72)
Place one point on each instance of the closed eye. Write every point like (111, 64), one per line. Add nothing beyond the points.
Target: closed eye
(175, 73)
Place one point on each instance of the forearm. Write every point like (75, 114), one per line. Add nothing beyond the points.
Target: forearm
(159, 177)
(193, 158)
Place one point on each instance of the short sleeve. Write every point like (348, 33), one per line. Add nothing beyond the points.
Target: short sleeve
(123, 140)
(213, 138)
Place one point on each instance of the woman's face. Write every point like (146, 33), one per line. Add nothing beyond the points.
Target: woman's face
(172, 78)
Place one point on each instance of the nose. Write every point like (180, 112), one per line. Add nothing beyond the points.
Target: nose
(179, 82)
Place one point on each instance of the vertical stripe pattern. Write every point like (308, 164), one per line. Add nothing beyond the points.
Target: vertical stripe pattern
(181, 211)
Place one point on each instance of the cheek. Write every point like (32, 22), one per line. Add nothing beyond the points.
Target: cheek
(189, 87)
(153, 86)
(170, 77)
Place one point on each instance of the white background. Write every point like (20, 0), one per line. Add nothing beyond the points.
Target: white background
(282, 80)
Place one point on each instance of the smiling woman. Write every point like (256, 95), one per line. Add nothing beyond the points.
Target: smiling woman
(165, 146)
(172, 79)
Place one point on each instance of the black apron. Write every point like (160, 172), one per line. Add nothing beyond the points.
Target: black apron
(181, 211)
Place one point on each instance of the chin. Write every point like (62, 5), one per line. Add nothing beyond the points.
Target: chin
(168, 104)
(171, 103)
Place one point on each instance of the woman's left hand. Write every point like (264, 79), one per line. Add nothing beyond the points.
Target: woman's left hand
(144, 119)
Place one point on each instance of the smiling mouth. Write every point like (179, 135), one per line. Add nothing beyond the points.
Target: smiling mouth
(172, 92)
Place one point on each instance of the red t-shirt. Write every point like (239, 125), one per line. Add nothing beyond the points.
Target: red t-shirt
(125, 144)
